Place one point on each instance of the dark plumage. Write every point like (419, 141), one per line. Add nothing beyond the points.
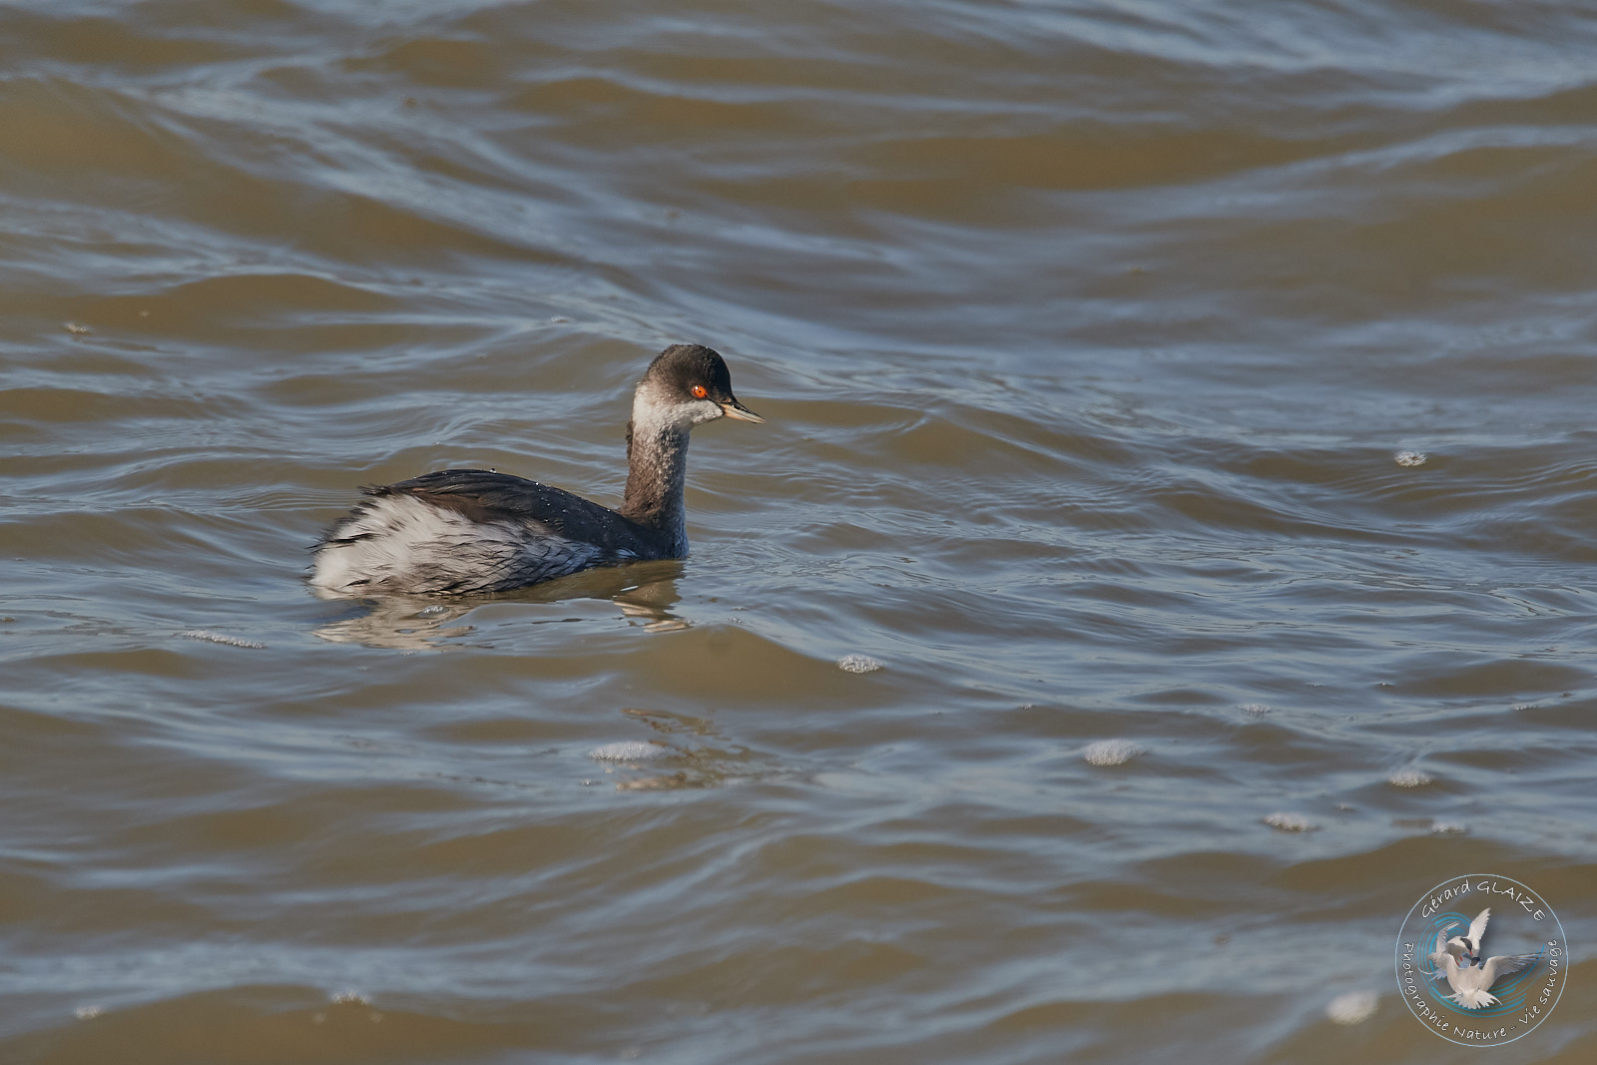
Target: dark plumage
(484, 496)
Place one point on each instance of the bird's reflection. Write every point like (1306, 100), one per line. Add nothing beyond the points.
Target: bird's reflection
(644, 591)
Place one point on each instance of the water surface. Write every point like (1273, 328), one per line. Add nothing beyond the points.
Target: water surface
(1179, 425)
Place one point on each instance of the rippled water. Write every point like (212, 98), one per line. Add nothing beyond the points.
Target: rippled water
(1169, 552)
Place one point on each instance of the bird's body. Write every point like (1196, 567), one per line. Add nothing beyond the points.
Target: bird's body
(1457, 960)
(459, 532)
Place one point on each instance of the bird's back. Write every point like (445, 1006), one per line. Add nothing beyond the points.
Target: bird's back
(471, 531)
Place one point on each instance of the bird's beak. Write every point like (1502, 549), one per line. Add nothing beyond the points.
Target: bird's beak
(733, 409)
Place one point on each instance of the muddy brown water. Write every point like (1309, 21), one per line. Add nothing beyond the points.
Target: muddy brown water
(1168, 554)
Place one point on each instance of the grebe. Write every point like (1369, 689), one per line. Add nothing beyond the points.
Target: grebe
(458, 532)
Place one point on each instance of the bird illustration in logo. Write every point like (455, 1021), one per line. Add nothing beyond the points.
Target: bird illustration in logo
(1477, 931)
(1457, 958)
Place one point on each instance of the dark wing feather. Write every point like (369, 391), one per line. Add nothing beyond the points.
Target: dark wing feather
(485, 496)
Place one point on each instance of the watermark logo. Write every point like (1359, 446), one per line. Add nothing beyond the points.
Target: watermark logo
(1481, 959)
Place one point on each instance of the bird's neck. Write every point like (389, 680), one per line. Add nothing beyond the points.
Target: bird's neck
(657, 466)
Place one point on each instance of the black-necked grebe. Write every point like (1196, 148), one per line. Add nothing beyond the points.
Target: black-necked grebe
(458, 532)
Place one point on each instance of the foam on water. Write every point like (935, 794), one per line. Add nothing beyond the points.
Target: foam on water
(1112, 752)
(628, 751)
(1289, 822)
(1352, 1007)
(1409, 777)
(221, 638)
(858, 664)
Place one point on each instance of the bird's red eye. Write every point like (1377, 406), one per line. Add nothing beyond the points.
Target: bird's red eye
(699, 391)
